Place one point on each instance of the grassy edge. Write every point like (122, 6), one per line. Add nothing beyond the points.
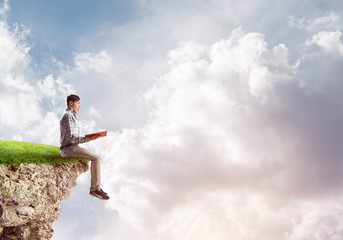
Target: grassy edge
(20, 152)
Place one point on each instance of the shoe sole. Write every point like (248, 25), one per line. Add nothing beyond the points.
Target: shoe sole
(98, 196)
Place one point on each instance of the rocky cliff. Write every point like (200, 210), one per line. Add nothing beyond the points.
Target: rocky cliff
(30, 197)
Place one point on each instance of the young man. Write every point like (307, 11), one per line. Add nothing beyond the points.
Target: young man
(70, 138)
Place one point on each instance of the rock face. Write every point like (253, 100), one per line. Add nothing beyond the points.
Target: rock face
(30, 197)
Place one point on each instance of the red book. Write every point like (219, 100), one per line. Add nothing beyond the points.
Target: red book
(100, 134)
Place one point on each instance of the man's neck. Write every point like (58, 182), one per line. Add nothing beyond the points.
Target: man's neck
(69, 109)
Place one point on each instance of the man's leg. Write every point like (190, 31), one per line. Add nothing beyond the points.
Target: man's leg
(76, 151)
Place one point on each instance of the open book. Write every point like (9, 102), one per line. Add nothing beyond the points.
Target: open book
(100, 134)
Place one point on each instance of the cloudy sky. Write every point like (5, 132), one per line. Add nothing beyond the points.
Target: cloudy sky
(225, 117)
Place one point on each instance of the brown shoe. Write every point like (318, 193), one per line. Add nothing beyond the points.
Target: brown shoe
(99, 194)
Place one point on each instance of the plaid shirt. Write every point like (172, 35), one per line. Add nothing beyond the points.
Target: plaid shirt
(70, 131)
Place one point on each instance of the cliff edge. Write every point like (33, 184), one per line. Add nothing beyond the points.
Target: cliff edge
(30, 197)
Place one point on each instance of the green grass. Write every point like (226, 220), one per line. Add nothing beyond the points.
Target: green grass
(17, 152)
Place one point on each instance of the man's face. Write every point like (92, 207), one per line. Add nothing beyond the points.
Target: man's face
(74, 106)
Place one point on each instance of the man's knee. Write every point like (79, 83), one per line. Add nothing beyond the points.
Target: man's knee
(96, 158)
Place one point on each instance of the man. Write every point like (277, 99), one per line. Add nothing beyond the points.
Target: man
(70, 138)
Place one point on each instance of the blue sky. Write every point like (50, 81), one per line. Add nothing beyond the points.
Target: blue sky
(224, 117)
(59, 25)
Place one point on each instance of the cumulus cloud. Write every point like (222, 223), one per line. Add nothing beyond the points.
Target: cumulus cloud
(328, 22)
(316, 220)
(330, 42)
(50, 87)
(30, 107)
(46, 129)
(99, 62)
(19, 106)
(236, 145)
(4, 8)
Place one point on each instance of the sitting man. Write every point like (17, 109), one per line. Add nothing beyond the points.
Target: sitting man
(70, 138)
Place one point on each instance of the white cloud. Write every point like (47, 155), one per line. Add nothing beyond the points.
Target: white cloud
(94, 114)
(4, 8)
(19, 105)
(328, 22)
(99, 62)
(329, 42)
(219, 159)
(28, 107)
(232, 146)
(46, 129)
(13, 50)
(47, 86)
(317, 220)
(17, 138)
(52, 89)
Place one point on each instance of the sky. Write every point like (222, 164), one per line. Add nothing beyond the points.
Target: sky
(224, 117)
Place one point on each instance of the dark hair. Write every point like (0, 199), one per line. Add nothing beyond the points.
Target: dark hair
(73, 98)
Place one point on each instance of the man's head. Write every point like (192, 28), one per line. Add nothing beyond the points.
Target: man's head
(73, 103)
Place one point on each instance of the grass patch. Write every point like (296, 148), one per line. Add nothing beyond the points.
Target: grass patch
(17, 152)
